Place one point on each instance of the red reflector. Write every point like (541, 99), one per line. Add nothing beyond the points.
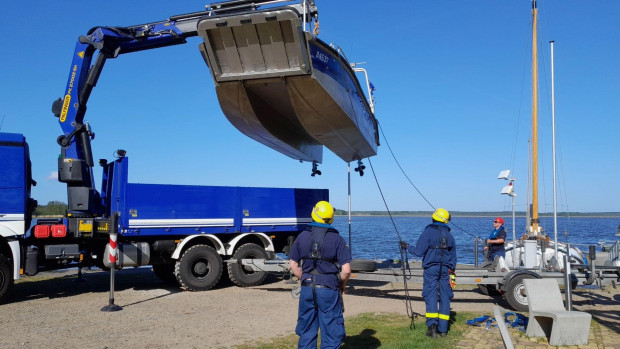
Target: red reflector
(59, 231)
(41, 231)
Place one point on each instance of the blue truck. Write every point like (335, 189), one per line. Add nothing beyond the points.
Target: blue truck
(188, 234)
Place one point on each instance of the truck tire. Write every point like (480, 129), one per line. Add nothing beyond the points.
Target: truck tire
(6, 276)
(488, 265)
(515, 293)
(246, 277)
(165, 272)
(199, 268)
(360, 265)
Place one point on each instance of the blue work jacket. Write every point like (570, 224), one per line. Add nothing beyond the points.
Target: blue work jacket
(334, 248)
(429, 246)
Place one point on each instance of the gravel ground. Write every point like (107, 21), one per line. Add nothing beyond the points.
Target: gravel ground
(52, 310)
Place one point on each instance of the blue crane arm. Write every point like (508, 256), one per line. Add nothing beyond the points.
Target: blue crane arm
(76, 161)
(109, 42)
(112, 41)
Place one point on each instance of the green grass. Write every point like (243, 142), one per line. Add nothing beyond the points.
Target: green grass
(392, 331)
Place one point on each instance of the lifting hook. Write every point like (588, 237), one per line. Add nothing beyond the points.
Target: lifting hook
(315, 168)
(360, 168)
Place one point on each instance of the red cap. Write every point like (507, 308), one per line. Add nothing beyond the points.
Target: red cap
(499, 220)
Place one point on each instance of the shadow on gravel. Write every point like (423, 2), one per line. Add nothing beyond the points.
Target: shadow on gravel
(274, 279)
(65, 283)
(415, 294)
(601, 314)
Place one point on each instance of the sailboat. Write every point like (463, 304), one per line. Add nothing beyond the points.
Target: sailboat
(549, 254)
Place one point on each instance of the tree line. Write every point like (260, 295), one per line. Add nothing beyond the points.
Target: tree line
(53, 208)
(340, 212)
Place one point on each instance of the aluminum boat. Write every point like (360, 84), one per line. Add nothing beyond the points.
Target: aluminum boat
(283, 87)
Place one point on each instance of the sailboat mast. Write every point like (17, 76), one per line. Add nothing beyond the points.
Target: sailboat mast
(535, 220)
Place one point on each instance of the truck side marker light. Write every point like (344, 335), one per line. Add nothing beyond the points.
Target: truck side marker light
(41, 231)
(59, 231)
(478, 280)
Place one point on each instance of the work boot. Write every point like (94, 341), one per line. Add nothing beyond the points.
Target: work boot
(442, 334)
(432, 331)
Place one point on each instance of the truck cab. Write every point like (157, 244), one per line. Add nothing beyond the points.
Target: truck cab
(16, 206)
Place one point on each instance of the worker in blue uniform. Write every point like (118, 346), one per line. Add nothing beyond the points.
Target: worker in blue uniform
(321, 259)
(437, 248)
(496, 240)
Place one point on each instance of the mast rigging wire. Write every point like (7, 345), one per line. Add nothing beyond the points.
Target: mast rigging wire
(413, 185)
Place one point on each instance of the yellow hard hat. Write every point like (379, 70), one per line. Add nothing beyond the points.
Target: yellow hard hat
(323, 212)
(441, 215)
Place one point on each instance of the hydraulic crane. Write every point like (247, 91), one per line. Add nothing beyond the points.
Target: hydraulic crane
(76, 161)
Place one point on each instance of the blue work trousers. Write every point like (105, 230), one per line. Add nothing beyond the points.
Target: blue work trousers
(437, 314)
(326, 314)
(501, 253)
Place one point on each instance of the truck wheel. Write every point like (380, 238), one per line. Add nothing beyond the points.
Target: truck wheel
(242, 276)
(165, 272)
(199, 269)
(515, 293)
(6, 275)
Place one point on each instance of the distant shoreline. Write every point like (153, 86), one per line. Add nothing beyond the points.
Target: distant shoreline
(454, 214)
(481, 214)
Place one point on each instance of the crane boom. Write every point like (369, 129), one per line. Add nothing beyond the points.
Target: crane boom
(76, 161)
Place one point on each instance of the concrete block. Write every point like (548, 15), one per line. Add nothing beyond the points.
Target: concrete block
(548, 318)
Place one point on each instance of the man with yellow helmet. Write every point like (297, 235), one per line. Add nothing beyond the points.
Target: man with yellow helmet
(321, 259)
(437, 248)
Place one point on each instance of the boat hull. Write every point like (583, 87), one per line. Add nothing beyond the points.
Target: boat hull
(267, 120)
(331, 106)
(285, 88)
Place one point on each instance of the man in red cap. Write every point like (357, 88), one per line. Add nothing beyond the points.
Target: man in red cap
(495, 242)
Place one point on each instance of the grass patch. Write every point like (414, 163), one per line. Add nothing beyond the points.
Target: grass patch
(368, 331)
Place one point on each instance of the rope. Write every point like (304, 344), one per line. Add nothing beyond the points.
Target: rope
(413, 185)
(401, 169)
(403, 255)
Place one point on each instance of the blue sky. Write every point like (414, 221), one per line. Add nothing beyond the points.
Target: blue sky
(453, 99)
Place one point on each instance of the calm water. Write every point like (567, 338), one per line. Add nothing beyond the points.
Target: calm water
(376, 237)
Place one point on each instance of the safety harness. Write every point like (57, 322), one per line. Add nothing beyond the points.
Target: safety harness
(443, 245)
(318, 236)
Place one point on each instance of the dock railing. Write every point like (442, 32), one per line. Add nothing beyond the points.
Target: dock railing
(614, 253)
